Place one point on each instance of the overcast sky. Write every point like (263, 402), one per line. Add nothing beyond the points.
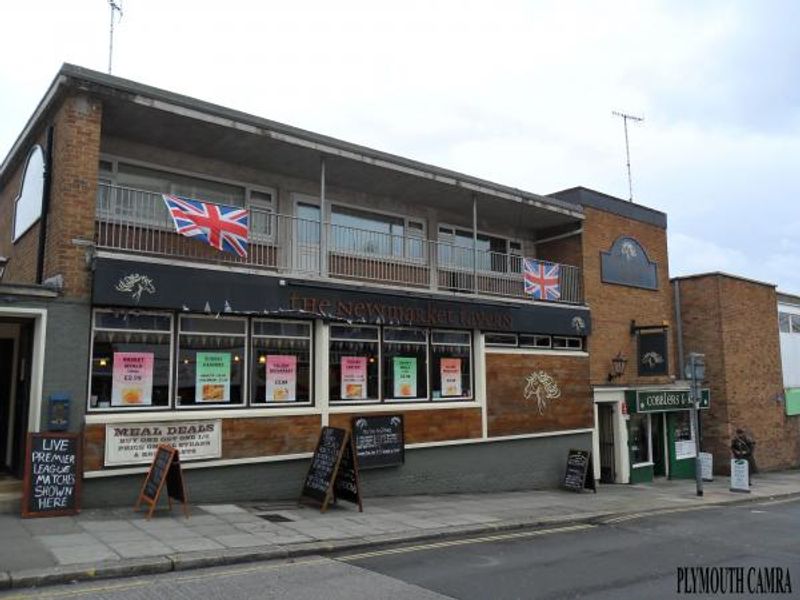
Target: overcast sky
(517, 92)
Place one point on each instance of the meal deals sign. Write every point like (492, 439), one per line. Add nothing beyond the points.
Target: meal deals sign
(132, 379)
(281, 378)
(666, 400)
(354, 377)
(405, 376)
(450, 372)
(213, 377)
(135, 443)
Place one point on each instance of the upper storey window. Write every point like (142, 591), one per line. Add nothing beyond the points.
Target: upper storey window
(365, 232)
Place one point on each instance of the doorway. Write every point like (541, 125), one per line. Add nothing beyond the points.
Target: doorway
(657, 441)
(605, 419)
(16, 349)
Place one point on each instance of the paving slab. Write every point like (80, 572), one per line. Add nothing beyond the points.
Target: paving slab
(194, 544)
(90, 553)
(137, 549)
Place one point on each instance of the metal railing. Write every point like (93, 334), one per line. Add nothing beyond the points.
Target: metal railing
(137, 221)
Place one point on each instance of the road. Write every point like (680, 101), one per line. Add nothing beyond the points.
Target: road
(631, 557)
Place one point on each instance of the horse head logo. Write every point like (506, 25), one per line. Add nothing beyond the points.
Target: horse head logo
(136, 284)
(541, 387)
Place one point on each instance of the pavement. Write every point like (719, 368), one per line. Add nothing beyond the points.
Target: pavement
(104, 543)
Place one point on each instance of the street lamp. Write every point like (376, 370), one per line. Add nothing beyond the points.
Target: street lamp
(696, 372)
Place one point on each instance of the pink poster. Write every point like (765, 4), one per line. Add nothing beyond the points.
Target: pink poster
(450, 371)
(354, 378)
(281, 378)
(132, 380)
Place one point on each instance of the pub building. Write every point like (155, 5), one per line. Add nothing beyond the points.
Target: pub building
(504, 326)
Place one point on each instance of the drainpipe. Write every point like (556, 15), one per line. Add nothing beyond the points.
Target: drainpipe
(678, 326)
(48, 176)
(475, 242)
(323, 232)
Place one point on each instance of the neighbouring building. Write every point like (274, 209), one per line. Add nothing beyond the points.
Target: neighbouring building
(789, 326)
(372, 285)
(744, 329)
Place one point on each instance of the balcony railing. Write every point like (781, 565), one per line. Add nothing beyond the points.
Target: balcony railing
(137, 221)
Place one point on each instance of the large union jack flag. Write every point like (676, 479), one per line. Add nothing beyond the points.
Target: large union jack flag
(542, 279)
(224, 227)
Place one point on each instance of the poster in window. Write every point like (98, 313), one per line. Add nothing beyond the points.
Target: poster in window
(281, 378)
(213, 377)
(450, 373)
(132, 380)
(354, 377)
(405, 376)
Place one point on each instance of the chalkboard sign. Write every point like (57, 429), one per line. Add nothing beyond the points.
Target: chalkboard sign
(165, 468)
(346, 485)
(578, 475)
(327, 477)
(52, 483)
(379, 441)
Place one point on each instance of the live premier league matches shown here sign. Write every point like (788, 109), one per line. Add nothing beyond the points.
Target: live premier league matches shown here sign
(52, 475)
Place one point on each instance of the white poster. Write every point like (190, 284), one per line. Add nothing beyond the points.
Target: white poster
(135, 443)
(685, 449)
(740, 475)
(707, 466)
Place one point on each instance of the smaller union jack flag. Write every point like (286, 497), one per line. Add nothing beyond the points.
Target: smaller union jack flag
(542, 279)
(223, 227)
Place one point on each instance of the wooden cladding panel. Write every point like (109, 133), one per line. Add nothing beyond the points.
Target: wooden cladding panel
(511, 413)
(428, 425)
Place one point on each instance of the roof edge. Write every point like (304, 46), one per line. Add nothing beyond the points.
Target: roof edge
(725, 275)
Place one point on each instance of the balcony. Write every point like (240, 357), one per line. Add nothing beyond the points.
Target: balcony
(137, 222)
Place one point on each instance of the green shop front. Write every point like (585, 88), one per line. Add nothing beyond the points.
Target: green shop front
(661, 439)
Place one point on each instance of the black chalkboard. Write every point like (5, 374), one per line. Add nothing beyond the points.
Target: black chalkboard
(379, 441)
(52, 482)
(346, 485)
(165, 468)
(322, 471)
(578, 475)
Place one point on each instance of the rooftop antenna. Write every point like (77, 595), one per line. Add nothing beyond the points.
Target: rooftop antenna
(625, 118)
(114, 7)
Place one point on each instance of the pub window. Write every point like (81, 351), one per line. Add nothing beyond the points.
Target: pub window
(500, 339)
(354, 363)
(784, 321)
(281, 362)
(795, 319)
(535, 341)
(451, 364)
(131, 361)
(211, 361)
(405, 363)
(567, 343)
(639, 438)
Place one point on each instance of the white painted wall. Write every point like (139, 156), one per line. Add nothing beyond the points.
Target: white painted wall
(790, 351)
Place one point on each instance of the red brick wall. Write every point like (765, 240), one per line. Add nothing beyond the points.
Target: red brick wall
(76, 153)
(614, 306)
(734, 322)
(511, 413)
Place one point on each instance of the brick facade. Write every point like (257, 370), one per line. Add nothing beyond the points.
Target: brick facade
(734, 322)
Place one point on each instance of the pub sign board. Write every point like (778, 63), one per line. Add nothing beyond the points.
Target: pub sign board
(379, 441)
(52, 482)
(150, 285)
(644, 401)
(652, 356)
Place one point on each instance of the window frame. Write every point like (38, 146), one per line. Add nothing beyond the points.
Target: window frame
(471, 346)
(427, 345)
(245, 371)
(649, 461)
(170, 380)
(311, 356)
(512, 258)
(377, 340)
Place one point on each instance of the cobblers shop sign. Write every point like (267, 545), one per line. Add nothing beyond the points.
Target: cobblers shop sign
(664, 400)
(159, 286)
(135, 443)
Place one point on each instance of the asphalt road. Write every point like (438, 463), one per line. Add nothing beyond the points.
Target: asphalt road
(632, 557)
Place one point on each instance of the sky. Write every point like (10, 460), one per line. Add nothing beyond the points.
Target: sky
(520, 93)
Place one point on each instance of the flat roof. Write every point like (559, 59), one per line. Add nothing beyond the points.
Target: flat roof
(75, 77)
(583, 196)
(723, 274)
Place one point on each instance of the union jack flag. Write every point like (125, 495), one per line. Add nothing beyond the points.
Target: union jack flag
(223, 227)
(542, 279)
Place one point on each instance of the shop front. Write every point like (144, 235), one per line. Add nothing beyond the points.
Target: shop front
(661, 439)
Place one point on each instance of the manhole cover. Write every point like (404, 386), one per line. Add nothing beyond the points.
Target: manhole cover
(275, 518)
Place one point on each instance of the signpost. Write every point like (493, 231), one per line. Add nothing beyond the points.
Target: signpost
(52, 482)
(379, 441)
(578, 475)
(166, 468)
(696, 371)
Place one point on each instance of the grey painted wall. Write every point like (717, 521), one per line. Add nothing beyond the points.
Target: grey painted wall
(536, 463)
